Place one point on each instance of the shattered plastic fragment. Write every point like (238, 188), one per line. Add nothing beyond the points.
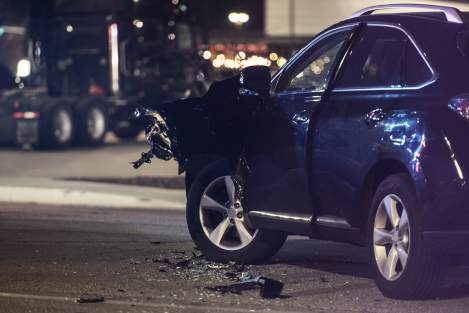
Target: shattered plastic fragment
(269, 288)
(90, 298)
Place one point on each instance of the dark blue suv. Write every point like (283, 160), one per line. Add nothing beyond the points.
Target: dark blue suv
(361, 137)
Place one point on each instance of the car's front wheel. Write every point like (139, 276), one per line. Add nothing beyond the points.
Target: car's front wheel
(403, 266)
(218, 224)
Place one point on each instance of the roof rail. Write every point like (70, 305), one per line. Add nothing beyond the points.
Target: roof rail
(452, 14)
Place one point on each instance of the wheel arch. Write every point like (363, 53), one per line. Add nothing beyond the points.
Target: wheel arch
(196, 163)
(375, 175)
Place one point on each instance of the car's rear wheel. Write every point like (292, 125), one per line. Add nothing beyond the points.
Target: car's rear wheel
(403, 266)
(218, 224)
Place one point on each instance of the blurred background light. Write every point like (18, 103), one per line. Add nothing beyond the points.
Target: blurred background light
(238, 18)
(24, 68)
(138, 23)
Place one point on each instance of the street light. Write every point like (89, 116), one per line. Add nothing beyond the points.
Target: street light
(238, 18)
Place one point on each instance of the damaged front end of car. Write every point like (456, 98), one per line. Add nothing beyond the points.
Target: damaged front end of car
(215, 124)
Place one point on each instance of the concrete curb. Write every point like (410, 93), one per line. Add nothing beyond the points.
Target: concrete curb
(48, 191)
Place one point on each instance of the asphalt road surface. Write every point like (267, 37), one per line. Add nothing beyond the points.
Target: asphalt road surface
(50, 256)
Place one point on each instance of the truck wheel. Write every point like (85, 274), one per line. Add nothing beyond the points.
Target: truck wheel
(92, 126)
(57, 128)
(217, 223)
(128, 132)
(403, 266)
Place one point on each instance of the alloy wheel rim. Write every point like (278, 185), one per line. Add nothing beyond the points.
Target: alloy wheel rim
(96, 123)
(63, 126)
(222, 216)
(391, 237)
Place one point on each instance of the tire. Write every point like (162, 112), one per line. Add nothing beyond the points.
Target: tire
(92, 125)
(129, 132)
(403, 268)
(212, 182)
(57, 128)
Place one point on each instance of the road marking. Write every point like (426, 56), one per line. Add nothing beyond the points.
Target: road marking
(188, 307)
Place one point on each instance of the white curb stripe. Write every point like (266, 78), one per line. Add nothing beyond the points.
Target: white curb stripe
(81, 198)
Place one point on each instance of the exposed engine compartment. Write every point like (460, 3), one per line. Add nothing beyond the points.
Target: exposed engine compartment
(215, 124)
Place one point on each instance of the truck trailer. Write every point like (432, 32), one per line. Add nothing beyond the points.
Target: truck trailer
(85, 65)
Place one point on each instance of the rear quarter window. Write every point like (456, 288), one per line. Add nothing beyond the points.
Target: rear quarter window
(376, 59)
(384, 57)
(416, 71)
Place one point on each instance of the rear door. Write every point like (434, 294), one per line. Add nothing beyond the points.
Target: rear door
(276, 151)
(349, 130)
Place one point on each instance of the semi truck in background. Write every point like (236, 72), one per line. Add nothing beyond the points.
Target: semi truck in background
(87, 64)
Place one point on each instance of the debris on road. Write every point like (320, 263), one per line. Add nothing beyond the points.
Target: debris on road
(195, 267)
(269, 288)
(237, 288)
(192, 265)
(90, 298)
(134, 262)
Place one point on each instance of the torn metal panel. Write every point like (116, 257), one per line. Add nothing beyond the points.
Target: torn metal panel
(216, 123)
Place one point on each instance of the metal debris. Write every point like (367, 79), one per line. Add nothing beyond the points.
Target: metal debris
(90, 298)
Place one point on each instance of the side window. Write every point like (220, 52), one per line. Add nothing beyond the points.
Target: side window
(377, 59)
(312, 73)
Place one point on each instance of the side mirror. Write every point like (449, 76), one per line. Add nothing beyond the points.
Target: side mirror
(255, 81)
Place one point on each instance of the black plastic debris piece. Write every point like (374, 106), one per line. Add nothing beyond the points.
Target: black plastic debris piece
(269, 288)
(155, 242)
(90, 298)
(237, 288)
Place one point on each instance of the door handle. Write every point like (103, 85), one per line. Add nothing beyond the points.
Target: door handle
(372, 118)
(317, 98)
(301, 117)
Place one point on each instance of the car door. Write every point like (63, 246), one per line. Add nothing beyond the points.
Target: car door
(276, 149)
(346, 140)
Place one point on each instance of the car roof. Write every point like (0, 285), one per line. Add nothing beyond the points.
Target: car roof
(423, 18)
(425, 26)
